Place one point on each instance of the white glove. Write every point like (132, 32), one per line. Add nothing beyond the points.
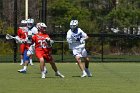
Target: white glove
(47, 39)
(18, 40)
(23, 41)
(69, 41)
(51, 41)
(82, 40)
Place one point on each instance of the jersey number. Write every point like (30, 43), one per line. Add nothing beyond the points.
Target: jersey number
(42, 43)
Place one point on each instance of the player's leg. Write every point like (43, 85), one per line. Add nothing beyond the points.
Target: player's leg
(77, 54)
(22, 48)
(26, 61)
(31, 50)
(86, 61)
(42, 65)
(81, 66)
(53, 65)
(39, 55)
(31, 61)
(21, 59)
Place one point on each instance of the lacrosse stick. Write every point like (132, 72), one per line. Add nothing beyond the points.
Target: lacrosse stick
(60, 41)
(9, 37)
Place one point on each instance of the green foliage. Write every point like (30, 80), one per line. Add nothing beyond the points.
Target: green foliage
(63, 11)
(6, 47)
(1, 26)
(9, 30)
(124, 15)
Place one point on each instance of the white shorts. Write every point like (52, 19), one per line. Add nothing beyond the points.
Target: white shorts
(81, 52)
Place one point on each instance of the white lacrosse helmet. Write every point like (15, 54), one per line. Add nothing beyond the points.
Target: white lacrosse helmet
(41, 26)
(30, 22)
(23, 23)
(73, 24)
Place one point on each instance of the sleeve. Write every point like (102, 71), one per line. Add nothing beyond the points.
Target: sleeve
(68, 37)
(84, 35)
(18, 32)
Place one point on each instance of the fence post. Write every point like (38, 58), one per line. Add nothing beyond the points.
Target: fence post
(44, 11)
(15, 30)
(102, 43)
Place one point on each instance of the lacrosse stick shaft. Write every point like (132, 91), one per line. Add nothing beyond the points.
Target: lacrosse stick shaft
(59, 41)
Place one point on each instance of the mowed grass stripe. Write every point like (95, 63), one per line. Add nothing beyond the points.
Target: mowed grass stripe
(107, 78)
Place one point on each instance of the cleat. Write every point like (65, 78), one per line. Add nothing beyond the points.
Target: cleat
(88, 73)
(45, 71)
(22, 71)
(59, 74)
(21, 64)
(84, 75)
(43, 75)
(31, 64)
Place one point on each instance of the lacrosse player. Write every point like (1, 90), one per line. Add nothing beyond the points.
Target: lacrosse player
(76, 40)
(43, 48)
(32, 30)
(22, 35)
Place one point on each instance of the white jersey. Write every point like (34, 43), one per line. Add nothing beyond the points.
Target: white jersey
(31, 32)
(74, 37)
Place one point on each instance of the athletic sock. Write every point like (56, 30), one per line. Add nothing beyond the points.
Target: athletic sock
(25, 67)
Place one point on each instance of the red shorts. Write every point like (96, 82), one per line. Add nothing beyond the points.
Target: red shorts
(23, 47)
(43, 54)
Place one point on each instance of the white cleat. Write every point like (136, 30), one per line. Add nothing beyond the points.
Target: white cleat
(31, 64)
(21, 64)
(88, 73)
(43, 75)
(59, 74)
(83, 75)
(22, 71)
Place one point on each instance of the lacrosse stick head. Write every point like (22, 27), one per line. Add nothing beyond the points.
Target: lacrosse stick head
(9, 36)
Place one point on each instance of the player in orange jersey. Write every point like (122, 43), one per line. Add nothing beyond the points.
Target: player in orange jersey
(43, 50)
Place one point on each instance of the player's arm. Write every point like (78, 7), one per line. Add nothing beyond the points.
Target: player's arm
(68, 37)
(49, 41)
(84, 36)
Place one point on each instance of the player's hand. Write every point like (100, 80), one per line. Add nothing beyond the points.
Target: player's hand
(47, 39)
(82, 40)
(69, 41)
(23, 41)
(51, 41)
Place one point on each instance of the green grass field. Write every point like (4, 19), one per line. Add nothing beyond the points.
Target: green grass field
(107, 78)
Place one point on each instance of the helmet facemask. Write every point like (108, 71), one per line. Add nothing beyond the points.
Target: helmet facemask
(30, 23)
(41, 27)
(73, 25)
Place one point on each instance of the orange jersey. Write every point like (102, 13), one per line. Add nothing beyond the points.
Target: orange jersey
(41, 47)
(21, 33)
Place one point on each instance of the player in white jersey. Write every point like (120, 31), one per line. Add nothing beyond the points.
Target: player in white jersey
(76, 40)
(32, 30)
